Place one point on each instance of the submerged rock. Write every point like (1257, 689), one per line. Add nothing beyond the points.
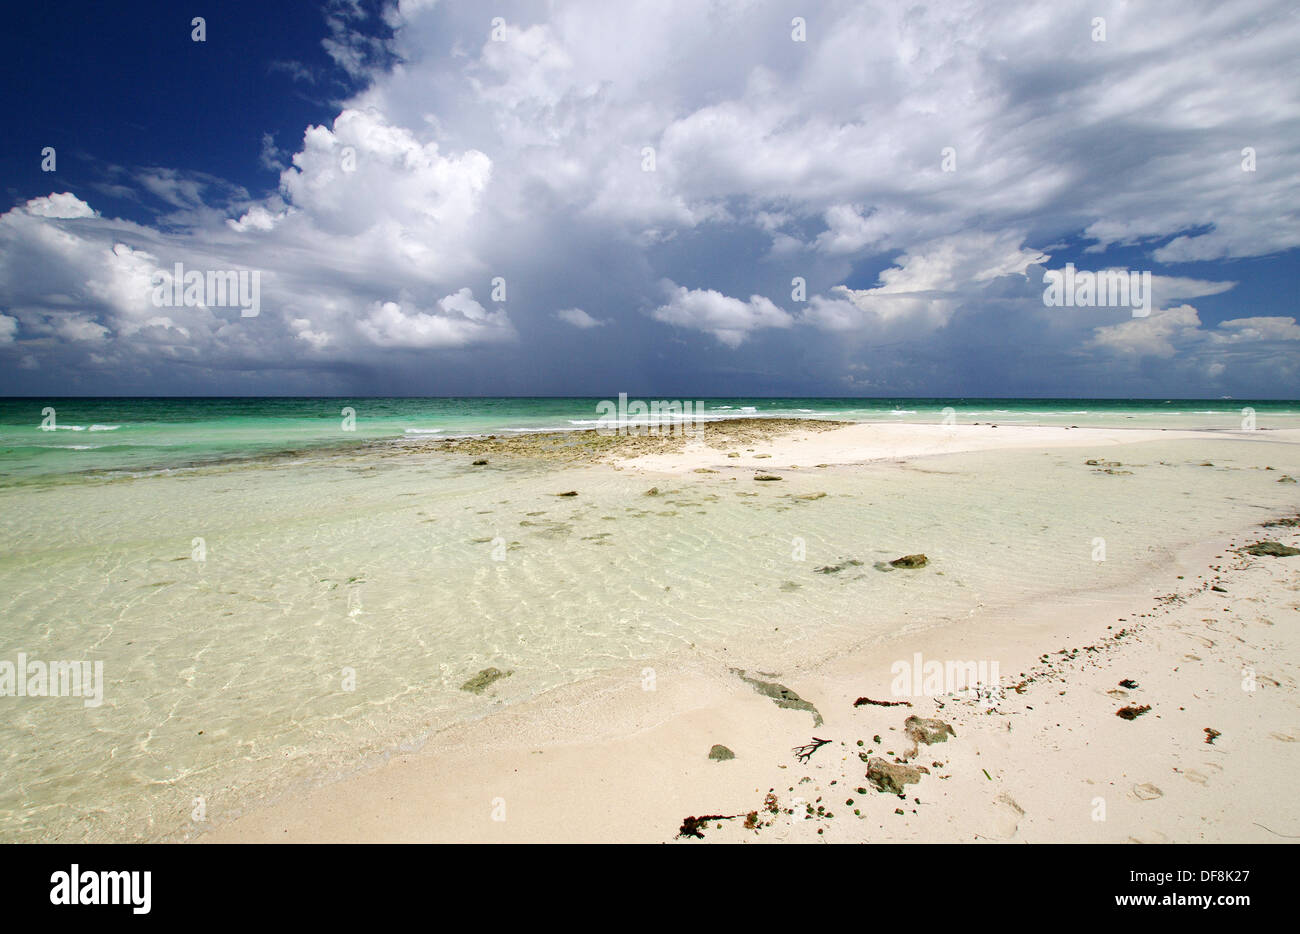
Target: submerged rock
(766, 476)
(836, 568)
(720, 753)
(781, 695)
(910, 561)
(1272, 549)
(890, 777)
(480, 682)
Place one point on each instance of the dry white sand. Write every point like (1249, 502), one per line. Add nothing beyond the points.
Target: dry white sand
(608, 760)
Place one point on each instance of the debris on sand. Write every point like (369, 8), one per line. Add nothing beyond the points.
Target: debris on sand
(910, 561)
(781, 695)
(863, 701)
(1211, 734)
(569, 493)
(928, 731)
(1272, 549)
(1128, 683)
(695, 826)
(480, 682)
(1132, 713)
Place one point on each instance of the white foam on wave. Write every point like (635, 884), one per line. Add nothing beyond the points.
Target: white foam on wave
(423, 431)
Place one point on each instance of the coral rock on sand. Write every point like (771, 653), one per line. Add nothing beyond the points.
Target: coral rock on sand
(928, 731)
(910, 561)
(721, 753)
(1274, 549)
(479, 683)
(890, 777)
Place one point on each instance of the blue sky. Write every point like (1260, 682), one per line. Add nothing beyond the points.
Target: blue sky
(586, 198)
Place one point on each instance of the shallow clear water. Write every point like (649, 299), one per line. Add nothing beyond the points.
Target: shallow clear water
(225, 677)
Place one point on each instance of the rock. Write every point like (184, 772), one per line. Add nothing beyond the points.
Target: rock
(1273, 549)
(1132, 713)
(653, 491)
(720, 753)
(479, 683)
(704, 470)
(1286, 479)
(928, 731)
(570, 493)
(809, 496)
(766, 476)
(479, 463)
(910, 561)
(890, 777)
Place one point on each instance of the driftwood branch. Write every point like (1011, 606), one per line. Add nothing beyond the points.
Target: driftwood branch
(804, 753)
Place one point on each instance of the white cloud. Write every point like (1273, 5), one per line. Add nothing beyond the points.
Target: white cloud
(64, 205)
(728, 319)
(928, 283)
(456, 321)
(578, 318)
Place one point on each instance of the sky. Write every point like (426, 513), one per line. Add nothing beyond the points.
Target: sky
(677, 197)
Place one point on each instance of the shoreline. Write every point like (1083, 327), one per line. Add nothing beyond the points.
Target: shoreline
(605, 759)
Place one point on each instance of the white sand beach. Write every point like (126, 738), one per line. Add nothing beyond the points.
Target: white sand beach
(1197, 638)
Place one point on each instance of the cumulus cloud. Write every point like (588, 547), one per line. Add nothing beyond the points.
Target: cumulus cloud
(456, 321)
(584, 152)
(730, 320)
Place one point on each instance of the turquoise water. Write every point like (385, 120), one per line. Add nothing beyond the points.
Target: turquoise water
(89, 435)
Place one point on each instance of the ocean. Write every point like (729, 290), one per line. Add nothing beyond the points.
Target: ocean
(133, 435)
